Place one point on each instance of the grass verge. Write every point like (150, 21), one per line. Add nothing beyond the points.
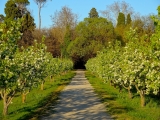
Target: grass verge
(120, 106)
(37, 100)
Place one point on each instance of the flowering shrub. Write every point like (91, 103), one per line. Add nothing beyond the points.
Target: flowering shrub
(135, 65)
(25, 69)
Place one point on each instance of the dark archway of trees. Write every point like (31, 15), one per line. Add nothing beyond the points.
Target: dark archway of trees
(79, 64)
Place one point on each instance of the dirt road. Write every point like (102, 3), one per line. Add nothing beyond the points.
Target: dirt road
(77, 102)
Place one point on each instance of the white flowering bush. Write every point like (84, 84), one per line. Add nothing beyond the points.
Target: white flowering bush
(9, 70)
(21, 70)
(134, 66)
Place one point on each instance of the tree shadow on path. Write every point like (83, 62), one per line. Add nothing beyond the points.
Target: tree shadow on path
(77, 102)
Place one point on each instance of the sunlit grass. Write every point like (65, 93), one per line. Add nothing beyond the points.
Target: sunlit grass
(37, 100)
(120, 106)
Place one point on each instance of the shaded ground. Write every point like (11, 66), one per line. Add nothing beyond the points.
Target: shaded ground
(77, 102)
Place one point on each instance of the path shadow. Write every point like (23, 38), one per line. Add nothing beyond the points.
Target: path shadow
(77, 102)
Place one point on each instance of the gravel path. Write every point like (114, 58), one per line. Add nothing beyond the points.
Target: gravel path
(77, 102)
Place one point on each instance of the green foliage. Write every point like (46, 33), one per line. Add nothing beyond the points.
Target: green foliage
(156, 19)
(138, 70)
(37, 99)
(28, 23)
(66, 42)
(93, 13)
(28, 26)
(25, 69)
(8, 48)
(11, 11)
(120, 28)
(133, 67)
(92, 35)
(15, 9)
(121, 19)
(129, 20)
(1, 18)
(119, 106)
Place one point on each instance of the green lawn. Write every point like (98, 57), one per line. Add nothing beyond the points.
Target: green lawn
(120, 106)
(37, 100)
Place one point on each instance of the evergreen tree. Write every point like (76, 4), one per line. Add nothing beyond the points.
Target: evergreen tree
(28, 23)
(129, 20)
(15, 9)
(121, 19)
(120, 28)
(64, 45)
(93, 13)
(27, 27)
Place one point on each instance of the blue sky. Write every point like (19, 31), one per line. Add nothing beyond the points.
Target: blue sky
(83, 7)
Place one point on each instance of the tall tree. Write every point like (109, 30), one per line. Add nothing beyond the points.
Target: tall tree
(65, 17)
(64, 45)
(40, 4)
(121, 19)
(17, 9)
(120, 27)
(93, 13)
(11, 11)
(92, 35)
(129, 20)
(27, 27)
(62, 20)
(112, 11)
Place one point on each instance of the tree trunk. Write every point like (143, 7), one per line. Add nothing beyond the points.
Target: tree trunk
(5, 109)
(39, 14)
(24, 96)
(142, 95)
(6, 100)
(130, 93)
(5, 106)
(42, 86)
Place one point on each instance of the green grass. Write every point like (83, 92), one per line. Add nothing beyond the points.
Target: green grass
(120, 106)
(37, 101)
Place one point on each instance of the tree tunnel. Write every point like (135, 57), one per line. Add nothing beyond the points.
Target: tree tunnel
(79, 63)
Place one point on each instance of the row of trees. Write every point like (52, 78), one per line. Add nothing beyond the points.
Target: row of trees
(22, 69)
(25, 63)
(79, 40)
(134, 66)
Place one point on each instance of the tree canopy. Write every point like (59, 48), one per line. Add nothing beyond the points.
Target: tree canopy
(129, 20)
(92, 35)
(121, 19)
(15, 9)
